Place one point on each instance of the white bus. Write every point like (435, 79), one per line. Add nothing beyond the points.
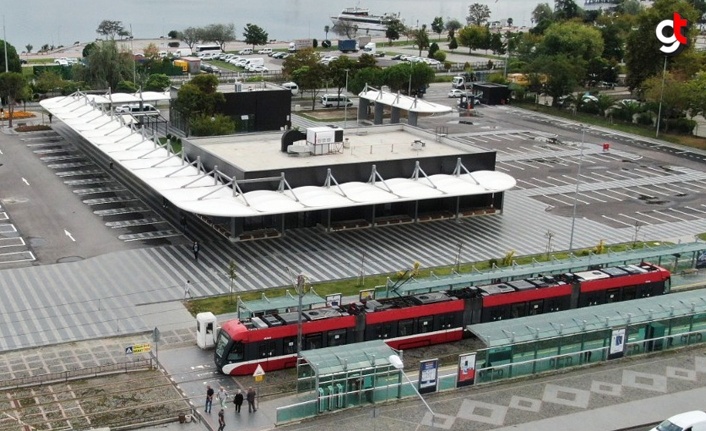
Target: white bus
(211, 47)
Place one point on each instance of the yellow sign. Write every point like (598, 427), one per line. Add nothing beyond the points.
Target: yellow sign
(141, 348)
(259, 378)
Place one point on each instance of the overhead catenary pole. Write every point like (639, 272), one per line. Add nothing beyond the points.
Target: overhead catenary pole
(576, 193)
(4, 43)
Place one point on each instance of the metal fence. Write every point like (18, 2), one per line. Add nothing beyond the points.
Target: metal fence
(77, 374)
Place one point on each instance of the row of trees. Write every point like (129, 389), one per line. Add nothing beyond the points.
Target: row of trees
(220, 33)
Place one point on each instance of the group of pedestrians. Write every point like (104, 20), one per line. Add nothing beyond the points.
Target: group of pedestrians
(222, 396)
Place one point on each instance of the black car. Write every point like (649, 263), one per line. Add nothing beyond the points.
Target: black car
(396, 57)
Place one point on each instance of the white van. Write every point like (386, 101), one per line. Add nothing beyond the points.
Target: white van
(291, 86)
(266, 51)
(335, 100)
(245, 51)
(134, 109)
(692, 421)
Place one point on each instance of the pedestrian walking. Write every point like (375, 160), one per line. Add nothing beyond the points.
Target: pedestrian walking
(238, 400)
(187, 292)
(221, 420)
(250, 396)
(209, 399)
(196, 248)
(222, 397)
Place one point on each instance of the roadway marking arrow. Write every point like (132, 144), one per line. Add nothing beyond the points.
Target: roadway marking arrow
(25, 181)
(67, 233)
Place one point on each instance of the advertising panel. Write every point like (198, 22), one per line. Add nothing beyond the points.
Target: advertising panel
(466, 369)
(618, 341)
(428, 376)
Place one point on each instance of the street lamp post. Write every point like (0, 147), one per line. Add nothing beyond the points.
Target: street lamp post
(345, 105)
(576, 194)
(396, 362)
(411, 69)
(661, 97)
(300, 291)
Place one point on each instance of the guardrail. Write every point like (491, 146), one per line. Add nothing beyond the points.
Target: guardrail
(77, 374)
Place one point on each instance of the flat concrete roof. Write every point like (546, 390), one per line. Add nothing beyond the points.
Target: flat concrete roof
(384, 143)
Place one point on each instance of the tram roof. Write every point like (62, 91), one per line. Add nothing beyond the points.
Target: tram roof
(349, 357)
(425, 285)
(589, 319)
(280, 303)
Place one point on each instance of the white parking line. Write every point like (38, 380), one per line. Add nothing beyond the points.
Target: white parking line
(616, 220)
(573, 197)
(643, 190)
(560, 181)
(684, 187)
(545, 182)
(526, 164)
(491, 138)
(669, 190)
(500, 168)
(512, 166)
(558, 200)
(507, 137)
(606, 195)
(12, 242)
(680, 212)
(589, 196)
(659, 220)
(628, 195)
(633, 218)
(529, 185)
(669, 215)
(696, 210)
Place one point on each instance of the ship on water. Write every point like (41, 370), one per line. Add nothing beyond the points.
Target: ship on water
(364, 20)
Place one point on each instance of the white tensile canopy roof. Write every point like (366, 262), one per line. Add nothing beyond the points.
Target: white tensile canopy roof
(407, 103)
(188, 186)
(124, 98)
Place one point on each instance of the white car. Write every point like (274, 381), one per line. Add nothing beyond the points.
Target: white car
(257, 68)
(267, 51)
(694, 420)
(456, 93)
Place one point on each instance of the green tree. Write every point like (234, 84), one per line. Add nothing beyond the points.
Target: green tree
(255, 35)
(421, 38)
(613, 42)
(452, 26)
(199, 97)
(675, 95)
(572, 39)
(310, 78)
(126, 87)
(211, 125)
(563, 74)
(433, 48)
(496, 43)
(366, 61)
(13, 87)
(110, 29)
(642, 46)
(190, 36)
(106, 66)
(372, 76)
(301, 58)
(48, 81)
(346, 29)
(437, 26)
(566, 9)
(219, 33)
(453, 44)
(478, 14)
(173, 34)
(13, 60)
(394, 30)
(337, 72)
(29, 47)
(88, 48)
(157, 82)
(473, 36)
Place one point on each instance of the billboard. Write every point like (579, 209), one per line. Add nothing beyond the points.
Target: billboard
(618, 341)
(428, 376)
(466, 369)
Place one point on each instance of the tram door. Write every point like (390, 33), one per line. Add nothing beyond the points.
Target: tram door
(535, 307)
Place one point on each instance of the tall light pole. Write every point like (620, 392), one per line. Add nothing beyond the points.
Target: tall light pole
(300, 291)
(576, 194)
(4, 43)
(396, 362)
(345, 105)
(411, 69)
(661, 96)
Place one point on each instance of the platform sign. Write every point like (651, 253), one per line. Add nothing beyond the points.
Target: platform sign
(138, 348)
(428, 376)
(333, 300)
(466, 369)
(618, 342)
(259, 373)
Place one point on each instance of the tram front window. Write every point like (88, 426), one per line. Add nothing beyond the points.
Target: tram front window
(223, 340)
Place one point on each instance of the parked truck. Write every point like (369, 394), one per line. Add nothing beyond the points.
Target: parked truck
(348, 45)
(299, 44)
(463, 81)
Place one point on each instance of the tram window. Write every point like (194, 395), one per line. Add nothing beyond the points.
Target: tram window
(290, 345)
(629, 293)
(612, 295)
(496, 314)
(313, 341)
(384, 330)
(236, 352)
(405, 327)
(336, 338)
(519, 310)
(446, 321)
(426, 324)
(553, 305)
(266, 349)
(535, 307)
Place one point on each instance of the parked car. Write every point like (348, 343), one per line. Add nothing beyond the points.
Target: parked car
(267, 51)
(396, 57)
(135, 109)
(456, 93)
(245, 51)
(693, 421)
(291, 86)
(278, 54)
